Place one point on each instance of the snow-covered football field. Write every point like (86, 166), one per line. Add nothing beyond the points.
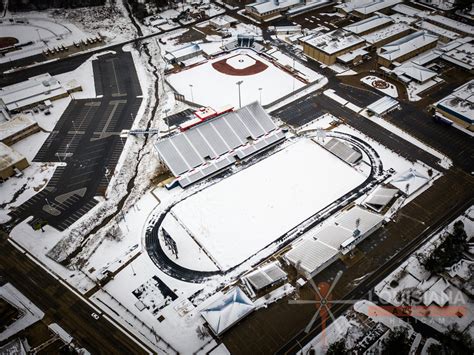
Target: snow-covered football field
(240, 215)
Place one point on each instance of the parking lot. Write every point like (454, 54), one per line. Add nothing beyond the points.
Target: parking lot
(87, 139)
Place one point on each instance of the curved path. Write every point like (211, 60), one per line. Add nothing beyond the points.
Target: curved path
(171, 268)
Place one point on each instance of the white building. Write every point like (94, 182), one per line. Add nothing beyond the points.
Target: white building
(32, 92)
(320, 248)
(365, 8)
(227, 310)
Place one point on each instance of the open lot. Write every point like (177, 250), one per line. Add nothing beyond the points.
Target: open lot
(235, 218)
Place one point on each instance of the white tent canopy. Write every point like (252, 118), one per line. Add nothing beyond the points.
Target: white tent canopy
(227, 310)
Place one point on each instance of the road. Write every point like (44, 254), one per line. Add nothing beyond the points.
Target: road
(62, 306)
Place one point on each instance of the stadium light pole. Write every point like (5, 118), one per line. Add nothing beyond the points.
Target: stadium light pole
(260, 91)
(238, 85)
(192, 97)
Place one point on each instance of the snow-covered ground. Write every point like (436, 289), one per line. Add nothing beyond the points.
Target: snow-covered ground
(33, 180)
(236, 217)
(390, 90)
(38, 31)
(216, 89)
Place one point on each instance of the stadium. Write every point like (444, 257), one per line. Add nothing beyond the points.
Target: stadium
(230, 217)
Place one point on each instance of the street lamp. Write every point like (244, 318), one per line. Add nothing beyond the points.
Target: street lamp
(238, 84)
(192, 97)
(39, 36)
(260, 92)
(167, 118)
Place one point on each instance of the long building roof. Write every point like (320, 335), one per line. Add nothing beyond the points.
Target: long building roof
(334, 41)
(407, 44)
(368, 24)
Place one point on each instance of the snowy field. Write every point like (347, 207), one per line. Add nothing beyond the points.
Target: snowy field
(237, 217)
(40, 29)
(216, 89)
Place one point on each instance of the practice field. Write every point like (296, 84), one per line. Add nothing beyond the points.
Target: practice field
(214, 82)
(240, 215)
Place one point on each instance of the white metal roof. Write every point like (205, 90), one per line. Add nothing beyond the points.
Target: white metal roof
(266, 275)
(227, 310)
(380, 197)
(383, 105)
(333, 236)
(309, 255)
(407, 44)
(366, 7)
(368, 24)
(33, 90)
(343, 151)
(415, 71)
(366, 219)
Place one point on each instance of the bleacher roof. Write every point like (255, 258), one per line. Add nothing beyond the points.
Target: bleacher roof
(343, 151)
(205, 148)
(380, 197)
(265, 276)
(309, 255)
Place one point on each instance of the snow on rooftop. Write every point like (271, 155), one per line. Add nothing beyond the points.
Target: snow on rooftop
(407, 44)
(310, 255)
(385, 33)
(460, 103)
(410, 11)
(263, 7)
(366, 7)
(334, 41)
(382, 105)
(350, 56)
(400, 18)
(227, 310)
(414, 71)
(15, 125)
(8, 156)
(35, 89)
(380, 197)
(242, 214)
(409, 181)
(440, 31)
(462, 55)
(455, 25)
(321, 245)
(368, 24)
(185, 50)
